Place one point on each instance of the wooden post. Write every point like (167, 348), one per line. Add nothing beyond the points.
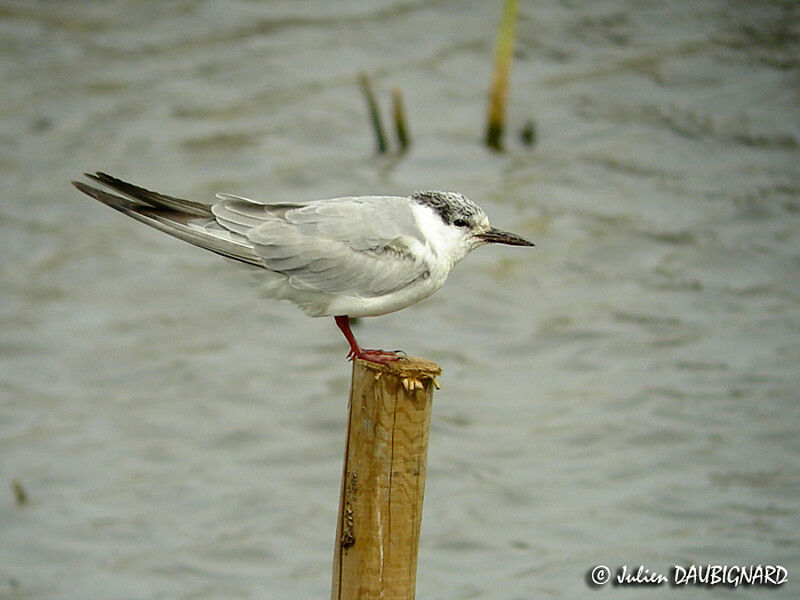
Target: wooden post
(383, 480)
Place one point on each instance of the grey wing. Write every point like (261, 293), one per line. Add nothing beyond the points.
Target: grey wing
(190, 221)
(360, 246)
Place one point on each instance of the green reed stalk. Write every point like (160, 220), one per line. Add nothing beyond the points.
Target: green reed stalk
(498, 94)
(400, 122)
(374, 112)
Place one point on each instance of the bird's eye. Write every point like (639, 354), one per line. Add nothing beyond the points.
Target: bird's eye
(460, 223)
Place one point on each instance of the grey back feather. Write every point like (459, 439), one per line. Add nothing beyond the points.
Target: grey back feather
(357, 245)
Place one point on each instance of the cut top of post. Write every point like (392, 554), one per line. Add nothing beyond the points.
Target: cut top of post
(408, 368)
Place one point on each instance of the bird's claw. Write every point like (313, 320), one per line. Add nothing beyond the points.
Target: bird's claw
(381, 357)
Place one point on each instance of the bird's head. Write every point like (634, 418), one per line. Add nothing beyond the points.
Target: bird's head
(462, 225)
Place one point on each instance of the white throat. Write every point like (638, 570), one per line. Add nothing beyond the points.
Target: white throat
(450, 244)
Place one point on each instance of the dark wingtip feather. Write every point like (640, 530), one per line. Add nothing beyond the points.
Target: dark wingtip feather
(106, 178)
(167, 214)
(86, 189)
(148, 197)
(116, 202)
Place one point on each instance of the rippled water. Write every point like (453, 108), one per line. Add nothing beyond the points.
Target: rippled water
(626, 393)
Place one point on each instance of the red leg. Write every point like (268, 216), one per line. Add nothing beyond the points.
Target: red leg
(376, 356)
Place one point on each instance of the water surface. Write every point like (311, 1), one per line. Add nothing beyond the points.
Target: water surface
(625, 393)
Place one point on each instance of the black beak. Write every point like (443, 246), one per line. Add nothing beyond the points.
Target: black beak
(495, 236)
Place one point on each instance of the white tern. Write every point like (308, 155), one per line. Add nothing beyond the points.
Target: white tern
(357, 256)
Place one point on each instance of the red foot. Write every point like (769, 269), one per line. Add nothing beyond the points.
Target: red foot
(376, 356)
(381, 357)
